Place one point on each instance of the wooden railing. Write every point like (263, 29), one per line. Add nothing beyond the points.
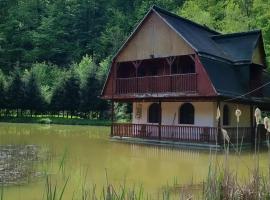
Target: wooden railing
(181, 133)
(157, 84)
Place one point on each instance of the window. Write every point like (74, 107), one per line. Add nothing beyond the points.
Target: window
(226, 113)
(186, 114)
(183, 65)
(153, 113)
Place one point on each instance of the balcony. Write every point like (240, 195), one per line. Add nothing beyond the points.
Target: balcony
(178, 83)
(195, 134)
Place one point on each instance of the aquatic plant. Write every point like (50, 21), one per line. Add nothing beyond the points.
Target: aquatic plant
(52, 189)
(2, 192)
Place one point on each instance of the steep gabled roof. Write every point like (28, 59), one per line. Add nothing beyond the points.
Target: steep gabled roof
(226, 57)
(240, 46)
(235, 47)
(198, 36)
(228, 79)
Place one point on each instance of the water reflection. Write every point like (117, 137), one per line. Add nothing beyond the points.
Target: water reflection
(17, 163)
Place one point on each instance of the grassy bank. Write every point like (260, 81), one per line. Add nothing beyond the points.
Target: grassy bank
(55, 120)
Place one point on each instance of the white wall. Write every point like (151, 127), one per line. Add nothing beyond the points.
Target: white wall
(204, 113)
(244, 118)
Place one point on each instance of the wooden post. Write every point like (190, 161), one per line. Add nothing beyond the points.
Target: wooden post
(136, 64)
(252, 134)
(112, 117)
(160, 120)
(170, 61)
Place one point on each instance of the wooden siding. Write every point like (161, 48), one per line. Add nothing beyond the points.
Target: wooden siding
(156, 38)
(204, 84)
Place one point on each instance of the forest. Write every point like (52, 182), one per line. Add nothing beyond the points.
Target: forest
(55, 54)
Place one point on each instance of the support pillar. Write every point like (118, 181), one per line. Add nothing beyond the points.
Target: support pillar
(160, 120)
(136, 64)
(170, 61)
(112, 117)
(252, 134)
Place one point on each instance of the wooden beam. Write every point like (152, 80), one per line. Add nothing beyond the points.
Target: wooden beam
(252, 124)
(170, 61)
(112, 117)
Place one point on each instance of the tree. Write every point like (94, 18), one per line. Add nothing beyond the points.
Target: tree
(15, 92)
(72, 93)
(194, 11)
(89, 94)
(58, 98)
(33, 97)
(2, 92)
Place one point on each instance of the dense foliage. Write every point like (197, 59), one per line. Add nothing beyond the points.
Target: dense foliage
(55, 54)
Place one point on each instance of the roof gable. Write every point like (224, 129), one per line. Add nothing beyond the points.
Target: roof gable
(236, 47)
(153, 38)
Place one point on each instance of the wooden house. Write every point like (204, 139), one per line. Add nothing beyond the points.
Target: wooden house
(177, 73)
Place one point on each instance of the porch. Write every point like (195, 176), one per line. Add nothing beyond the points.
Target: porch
(175, 133)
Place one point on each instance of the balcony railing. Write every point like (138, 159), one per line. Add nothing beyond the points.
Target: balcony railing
(157, 84)
(196, 134)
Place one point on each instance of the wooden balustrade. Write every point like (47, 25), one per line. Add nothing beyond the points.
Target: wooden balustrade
(157, 84)
(181, 133)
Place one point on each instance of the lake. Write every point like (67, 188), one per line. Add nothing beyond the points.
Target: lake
(85, 156)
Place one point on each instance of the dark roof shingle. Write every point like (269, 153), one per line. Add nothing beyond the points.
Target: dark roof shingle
(236, 47)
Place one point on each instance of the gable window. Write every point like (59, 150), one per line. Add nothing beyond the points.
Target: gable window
(186, 114)
(226, 113)
(153, 113)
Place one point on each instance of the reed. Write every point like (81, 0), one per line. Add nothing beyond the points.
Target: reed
(51, 189)
(2, 192)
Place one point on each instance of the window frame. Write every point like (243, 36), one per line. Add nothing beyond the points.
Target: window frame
(190, 120)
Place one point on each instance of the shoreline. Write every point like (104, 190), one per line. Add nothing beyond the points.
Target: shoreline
(55, 120)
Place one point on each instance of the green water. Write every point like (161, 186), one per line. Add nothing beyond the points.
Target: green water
(85, 155)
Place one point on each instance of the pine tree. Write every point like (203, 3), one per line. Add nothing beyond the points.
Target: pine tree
(58, 99)
(15, 92)
(72, 93)
(2, 94)
(33, 97)
(89, 94)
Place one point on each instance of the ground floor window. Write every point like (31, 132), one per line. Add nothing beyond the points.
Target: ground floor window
(186, 114)
(226, 112)
(154, 113)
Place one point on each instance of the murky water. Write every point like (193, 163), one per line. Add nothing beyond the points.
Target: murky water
(85, 156)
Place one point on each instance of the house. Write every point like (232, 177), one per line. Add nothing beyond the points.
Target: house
(177, 74)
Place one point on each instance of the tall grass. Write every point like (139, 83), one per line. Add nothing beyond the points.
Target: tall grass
(52, 189)
(2, 192)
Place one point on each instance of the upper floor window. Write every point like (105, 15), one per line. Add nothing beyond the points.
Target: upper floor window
(183, 65)
(226, 113)
(186, 114)
(154, 113)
